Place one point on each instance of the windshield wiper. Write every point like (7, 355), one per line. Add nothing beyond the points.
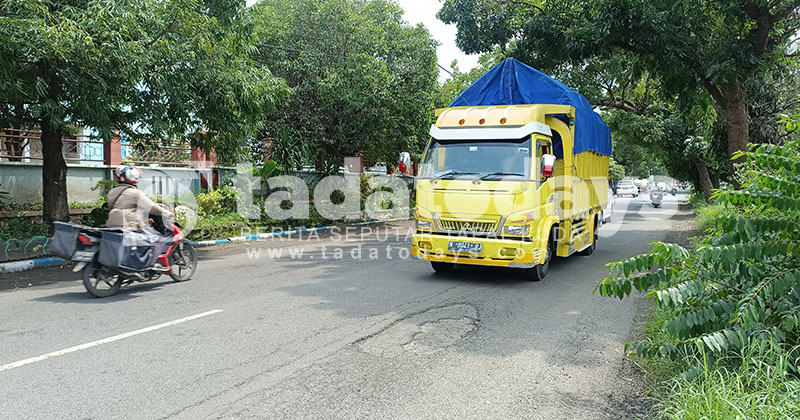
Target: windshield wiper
(501, 174)
(450, 174)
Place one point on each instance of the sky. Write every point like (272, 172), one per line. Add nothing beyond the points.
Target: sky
(424, 11)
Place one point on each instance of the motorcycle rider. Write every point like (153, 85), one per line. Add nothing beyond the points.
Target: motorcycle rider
(656, 195)
(130, 209)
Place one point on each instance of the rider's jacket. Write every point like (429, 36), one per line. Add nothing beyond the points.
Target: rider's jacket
(130, 208)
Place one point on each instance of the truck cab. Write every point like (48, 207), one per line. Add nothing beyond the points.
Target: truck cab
(502, 186)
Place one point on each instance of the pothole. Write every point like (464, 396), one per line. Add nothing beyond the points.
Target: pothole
(425, 332)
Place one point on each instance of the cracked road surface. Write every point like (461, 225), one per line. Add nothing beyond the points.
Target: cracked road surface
(323, 337)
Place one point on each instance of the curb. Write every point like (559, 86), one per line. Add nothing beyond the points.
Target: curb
(17, 266)
(25, 265)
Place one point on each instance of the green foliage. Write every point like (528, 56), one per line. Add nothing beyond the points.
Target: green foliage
(161, 70)
(615, 171)
(709, 214)
(268, 170)
(23, 228)
(460, 81)
(232, 224)
(758, 384)
(98, 217)
(217, 202)
(363, 80)
(742, 282)
(291, 152)
(104, 187)
(666, 72)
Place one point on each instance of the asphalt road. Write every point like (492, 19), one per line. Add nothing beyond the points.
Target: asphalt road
(323, 337)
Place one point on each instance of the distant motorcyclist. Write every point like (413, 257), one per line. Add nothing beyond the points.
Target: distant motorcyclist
(656, 196)
(129, 208)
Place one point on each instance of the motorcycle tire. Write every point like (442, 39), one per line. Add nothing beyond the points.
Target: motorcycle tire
(95, 276)
(183, 262)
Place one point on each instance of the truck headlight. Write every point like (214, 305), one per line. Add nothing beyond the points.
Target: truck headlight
(424, 225)
(516, 230)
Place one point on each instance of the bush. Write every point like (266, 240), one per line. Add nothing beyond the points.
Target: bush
(220, 201)
(741, 285)
(98, 217)
(104, 186)
(218, 227)
(22, 228)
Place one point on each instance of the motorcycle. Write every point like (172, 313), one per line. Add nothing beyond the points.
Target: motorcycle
(655, 198)
(673, 191)
(179, 261)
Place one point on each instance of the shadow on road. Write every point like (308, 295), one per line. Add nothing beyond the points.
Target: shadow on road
(126, 293)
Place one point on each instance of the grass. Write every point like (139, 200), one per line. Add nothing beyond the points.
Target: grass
(707, 212)
(757, 384)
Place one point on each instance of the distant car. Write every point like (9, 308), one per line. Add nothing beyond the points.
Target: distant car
(626, 187)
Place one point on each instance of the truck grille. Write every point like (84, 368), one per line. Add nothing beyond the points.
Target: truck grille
(474, 226)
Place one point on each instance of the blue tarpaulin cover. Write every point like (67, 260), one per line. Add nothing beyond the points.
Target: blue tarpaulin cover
(515, 83)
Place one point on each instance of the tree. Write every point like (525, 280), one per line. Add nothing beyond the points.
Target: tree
(459, 81)
(363, 80)
(150, 68)
(615, 171)
(689, 46)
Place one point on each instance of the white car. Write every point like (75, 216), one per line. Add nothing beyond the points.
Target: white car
(626, 187)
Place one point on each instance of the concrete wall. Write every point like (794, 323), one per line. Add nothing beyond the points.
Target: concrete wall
(23, 181)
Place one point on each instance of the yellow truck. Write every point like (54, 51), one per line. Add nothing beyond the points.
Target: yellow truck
(512, 185)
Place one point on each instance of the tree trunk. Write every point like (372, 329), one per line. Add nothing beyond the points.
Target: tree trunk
(738, 119)
(704, 178)
(54, 175)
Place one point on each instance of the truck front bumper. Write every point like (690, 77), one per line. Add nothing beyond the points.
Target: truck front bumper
(496, 252)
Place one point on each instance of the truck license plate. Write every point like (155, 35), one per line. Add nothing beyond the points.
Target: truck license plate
(83, 256)
(468, 247)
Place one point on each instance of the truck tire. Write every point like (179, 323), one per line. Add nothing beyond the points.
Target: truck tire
(539, 272)
(442, 267)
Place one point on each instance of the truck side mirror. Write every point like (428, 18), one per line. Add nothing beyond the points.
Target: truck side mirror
(404, 162)
(548, 165)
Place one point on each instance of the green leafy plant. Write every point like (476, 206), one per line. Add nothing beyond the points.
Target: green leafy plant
(104, 187)
(23, 228)
(268, 170)
(217, 202)
(742, 282)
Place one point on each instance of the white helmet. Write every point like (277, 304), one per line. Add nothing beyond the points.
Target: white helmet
(127, 174)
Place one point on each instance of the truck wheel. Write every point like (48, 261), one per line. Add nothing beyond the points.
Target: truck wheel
(442, 267)
(539, 272)
(590, 250)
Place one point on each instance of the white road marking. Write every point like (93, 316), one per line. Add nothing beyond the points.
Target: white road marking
(105, 340)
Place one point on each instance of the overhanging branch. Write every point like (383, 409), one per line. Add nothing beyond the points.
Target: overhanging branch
(526, 3)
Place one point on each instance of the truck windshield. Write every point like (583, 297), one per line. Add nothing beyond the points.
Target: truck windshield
(478, 159)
